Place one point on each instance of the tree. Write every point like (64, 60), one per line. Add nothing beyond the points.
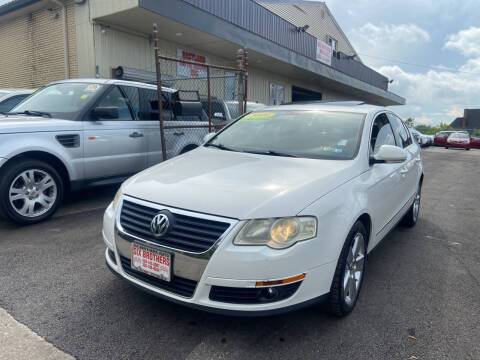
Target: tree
(410, 122)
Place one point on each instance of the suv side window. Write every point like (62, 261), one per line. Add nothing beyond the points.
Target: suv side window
(382, 133)
(149, 105)
(401, 134)
(115, 98)
(133, 99)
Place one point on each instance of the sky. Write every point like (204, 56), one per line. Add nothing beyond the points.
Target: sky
(442, 39)
(429, 48)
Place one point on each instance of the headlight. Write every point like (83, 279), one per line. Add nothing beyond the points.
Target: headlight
(116, 198)
(277, 233)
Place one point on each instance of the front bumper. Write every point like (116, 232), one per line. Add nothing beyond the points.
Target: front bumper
(458, 145)
(226, 266)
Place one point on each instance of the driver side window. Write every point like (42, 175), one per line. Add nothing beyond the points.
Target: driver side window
(382, 133)
(115, 98)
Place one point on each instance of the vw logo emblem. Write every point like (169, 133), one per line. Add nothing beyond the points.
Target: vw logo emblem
(159, 225)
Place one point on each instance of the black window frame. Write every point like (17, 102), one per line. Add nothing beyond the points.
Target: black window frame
(400, 141)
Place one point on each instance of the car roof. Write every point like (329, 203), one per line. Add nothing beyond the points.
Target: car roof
(114, 82)
(340, 106)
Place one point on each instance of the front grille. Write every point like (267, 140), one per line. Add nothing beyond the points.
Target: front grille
(235, 295)
(188, 233)
(180, 286)
(69, 140)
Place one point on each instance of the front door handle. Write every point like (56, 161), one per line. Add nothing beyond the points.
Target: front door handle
(403, 171)
(136, 135)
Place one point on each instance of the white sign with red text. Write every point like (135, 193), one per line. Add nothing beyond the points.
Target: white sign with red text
(324, 52)
(190, 70)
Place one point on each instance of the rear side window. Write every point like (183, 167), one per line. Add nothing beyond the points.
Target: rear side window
(10, 103)
(149, 105)
(401, 133)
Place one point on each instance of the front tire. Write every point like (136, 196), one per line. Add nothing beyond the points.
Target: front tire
(348, 278)
(30, 191)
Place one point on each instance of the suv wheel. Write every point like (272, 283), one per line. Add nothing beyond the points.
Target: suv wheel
(348, 278)
(30, 191)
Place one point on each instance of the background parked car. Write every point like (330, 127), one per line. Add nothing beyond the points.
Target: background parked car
(441, 137)
(475, 141)
(458, 140)
(83, 133)
(9, 98)
(422, 139)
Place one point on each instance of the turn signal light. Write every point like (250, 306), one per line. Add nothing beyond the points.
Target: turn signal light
(280, 282)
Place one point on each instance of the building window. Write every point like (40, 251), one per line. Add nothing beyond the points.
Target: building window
(332, 42)
(277, 94)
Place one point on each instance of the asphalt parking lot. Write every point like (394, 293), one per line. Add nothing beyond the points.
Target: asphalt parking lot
(420, 298)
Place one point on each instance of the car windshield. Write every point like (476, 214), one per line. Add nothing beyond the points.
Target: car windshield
(459, 136)
(62, 100)
(308, 134)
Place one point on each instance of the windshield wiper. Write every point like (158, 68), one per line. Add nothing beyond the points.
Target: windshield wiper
(220, 146)
(30, 113)
(270, 152)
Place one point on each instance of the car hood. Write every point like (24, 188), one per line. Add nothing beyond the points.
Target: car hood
(21, 124)
(239, 185)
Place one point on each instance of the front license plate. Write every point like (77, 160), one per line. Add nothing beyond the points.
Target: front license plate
(151, 261)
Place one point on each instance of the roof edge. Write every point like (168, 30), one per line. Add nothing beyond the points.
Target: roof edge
(15, 5)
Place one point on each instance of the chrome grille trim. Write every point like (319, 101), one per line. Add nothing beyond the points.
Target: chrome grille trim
(184, 214)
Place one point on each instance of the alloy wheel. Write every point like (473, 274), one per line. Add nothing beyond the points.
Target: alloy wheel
(416, 205)
(33, 193)
(354, 269)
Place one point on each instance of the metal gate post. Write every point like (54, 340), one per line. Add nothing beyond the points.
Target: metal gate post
(210, 129)
(245, 68)
(240, 96)
(159, 91)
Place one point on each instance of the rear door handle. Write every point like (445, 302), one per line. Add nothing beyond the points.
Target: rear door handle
(136, 135)
(179, 133)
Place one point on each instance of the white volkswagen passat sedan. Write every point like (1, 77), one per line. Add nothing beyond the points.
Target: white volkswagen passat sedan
(276, 211)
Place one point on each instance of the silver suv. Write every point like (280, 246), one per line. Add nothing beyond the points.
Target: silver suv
(79, 133)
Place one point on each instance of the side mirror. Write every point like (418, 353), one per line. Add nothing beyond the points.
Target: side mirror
(107, 112)
(208, 137)
(389, 154)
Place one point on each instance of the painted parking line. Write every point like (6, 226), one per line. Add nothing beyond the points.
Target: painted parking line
(19, 342)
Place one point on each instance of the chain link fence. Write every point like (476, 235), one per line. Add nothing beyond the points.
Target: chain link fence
(197, 97)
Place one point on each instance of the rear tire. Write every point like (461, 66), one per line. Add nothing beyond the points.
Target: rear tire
(467, 149)
(30, 191)
(348, 278)
(446, 147)
(411, 217)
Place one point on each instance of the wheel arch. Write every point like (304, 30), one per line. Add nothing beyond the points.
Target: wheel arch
(46, 157)
(366, 221)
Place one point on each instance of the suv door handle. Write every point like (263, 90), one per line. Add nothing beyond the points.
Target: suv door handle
(180, 133)
(403, 171)
(136, 135)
